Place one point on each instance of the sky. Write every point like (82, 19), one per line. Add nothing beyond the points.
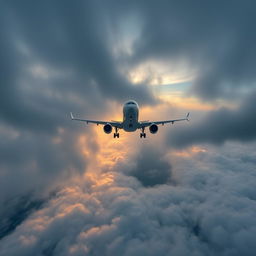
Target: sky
(70, 189)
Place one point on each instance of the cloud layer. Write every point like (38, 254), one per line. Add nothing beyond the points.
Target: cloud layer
(206, 212)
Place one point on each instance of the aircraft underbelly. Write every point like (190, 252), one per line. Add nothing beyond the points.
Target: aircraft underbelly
(130, 126)
(130, 123)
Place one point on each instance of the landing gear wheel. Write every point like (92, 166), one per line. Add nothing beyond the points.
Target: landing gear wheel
(116, 135)
(143, 135)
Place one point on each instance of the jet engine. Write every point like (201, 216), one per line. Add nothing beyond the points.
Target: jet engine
(153, 128)
(107, 128)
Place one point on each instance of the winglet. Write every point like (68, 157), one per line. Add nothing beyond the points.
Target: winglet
(187, 117)
(71, 115)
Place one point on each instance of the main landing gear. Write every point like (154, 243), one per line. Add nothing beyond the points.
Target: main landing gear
(116, 134)
(143, 134)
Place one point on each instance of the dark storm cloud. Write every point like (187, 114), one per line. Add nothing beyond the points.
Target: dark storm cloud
(69, 38)
(15, 211)
(36, 165)
(216, 37)
(219, 126)
(55, 57)
(75, 39)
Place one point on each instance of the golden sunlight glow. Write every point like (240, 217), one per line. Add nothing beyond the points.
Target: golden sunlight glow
(27, 240)
(82, 144)
(105, 154)
(160, 73)
(112, 151)
(69, 209)
(187, 103)
(189, 152)
(100, 179)
(74, 249)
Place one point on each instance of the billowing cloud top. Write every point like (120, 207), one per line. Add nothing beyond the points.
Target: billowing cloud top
(203, 212)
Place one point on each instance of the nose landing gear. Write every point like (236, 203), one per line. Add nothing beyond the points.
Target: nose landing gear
(143, 134)
(116, 135)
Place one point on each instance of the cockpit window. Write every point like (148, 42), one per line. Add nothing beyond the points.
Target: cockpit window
(130, 103)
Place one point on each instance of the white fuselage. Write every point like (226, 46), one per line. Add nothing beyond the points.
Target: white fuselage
(130, 116)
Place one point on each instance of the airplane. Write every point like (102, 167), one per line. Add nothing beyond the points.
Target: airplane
(130, 121)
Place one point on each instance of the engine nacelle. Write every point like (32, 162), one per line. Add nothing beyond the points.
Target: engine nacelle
(153, 128)
(107, 128)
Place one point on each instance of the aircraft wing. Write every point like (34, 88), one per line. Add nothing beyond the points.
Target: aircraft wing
(113, 123)
(146, 124)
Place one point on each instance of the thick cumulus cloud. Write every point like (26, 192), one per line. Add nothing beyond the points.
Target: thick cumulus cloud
(219, 126)
(207, 212)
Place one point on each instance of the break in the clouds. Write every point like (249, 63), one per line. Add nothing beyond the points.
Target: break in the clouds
(216, 37)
